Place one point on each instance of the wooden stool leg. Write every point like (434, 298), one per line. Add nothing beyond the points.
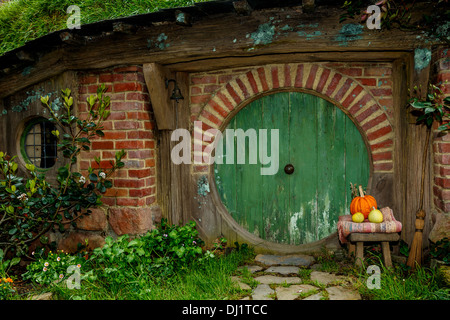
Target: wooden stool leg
(359, 258)
(386, 253)
(351, 249)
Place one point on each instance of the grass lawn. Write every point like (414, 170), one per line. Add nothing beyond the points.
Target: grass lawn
(25, 20)
(211, 280)
(206, 281)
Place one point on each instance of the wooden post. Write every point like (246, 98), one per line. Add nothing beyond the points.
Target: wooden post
(386, 253)
(155, 77)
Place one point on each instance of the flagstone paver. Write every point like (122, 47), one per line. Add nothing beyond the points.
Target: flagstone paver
(262, 292)
(316, 296)
(325, 278)
(341, 293)
(290, 260)
(242, 286)
(284, 270)
(281, 273)
(253, 268)
(293, 292)
(272, 279)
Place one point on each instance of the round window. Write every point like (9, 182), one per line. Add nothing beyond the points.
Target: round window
(38, 144)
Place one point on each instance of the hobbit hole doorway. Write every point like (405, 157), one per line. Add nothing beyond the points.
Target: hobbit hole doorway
(326, 151)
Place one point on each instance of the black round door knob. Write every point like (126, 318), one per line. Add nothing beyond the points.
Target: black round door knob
(289, 169)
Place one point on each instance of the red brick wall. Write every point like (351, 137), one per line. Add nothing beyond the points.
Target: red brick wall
(441, 144)
(130, 205)
(362, 89)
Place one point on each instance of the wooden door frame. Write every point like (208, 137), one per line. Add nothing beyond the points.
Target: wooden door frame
(177, 190)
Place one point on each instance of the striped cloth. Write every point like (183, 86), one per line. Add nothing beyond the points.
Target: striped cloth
(346, 226)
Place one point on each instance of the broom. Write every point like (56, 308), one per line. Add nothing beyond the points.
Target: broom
(415, 252)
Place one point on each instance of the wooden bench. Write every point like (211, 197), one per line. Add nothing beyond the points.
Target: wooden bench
(360, 238)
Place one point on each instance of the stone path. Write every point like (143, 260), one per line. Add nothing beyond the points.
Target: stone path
(292, 277)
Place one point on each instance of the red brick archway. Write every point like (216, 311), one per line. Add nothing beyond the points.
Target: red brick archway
(344, 91)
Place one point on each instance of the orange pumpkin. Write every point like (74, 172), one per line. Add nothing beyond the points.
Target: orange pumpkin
(363, 203)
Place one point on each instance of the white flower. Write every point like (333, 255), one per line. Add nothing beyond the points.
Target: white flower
(46, 264)
(45, 269)
(79, 265)
(23, 196)
(58, 259)
(61, 276)
(82, 179)
(102, 175)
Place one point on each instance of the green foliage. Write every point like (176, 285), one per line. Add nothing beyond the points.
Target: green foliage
(441, 250)
(6, 283)
(208, 279)
(51, 268)
(30, 207)
(397, 14)
(24, 20)
(160, 252)
(166, 263)
(352, 9)
(434, 108)
(399, 284)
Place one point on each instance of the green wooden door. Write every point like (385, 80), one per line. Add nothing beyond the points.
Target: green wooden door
(327, 153)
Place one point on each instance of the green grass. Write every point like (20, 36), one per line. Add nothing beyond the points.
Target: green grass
(399, 284)
(396, 283)
(25, 20)
(210, 280)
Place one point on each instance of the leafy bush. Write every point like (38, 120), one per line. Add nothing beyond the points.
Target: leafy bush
(53, 267)
(6, 288)
(6, 283)
(31, 206)
(160, 252)
(441, 250)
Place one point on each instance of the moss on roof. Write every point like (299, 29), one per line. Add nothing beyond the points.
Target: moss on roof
(25, 20)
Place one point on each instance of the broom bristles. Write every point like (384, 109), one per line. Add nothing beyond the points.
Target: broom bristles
(415, 253)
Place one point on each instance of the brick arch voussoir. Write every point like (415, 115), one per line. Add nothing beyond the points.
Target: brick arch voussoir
(346, 92)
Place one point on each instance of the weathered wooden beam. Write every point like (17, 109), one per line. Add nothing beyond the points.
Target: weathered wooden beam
(71, 38)
(182, 18)
(332, 56)
(308, 5)
(124, 28)
(163, 108)
(212, 37)
(242, 7)
(25, 56)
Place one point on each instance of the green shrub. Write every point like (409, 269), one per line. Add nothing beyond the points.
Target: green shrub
(441, 250)
(53, 267)
(160, 252)
(31, 206)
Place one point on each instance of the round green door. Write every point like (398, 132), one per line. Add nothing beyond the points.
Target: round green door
(299, 203)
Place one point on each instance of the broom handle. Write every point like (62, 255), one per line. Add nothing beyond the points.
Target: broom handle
(424, 160)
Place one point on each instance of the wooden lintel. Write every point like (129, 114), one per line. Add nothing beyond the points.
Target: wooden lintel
(155, 77)
(25, 56)
(71, 38)
(124, 28)
(308, 5)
